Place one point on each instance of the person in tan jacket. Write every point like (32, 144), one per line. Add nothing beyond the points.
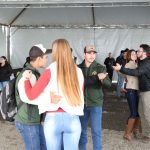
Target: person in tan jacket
(132, 87)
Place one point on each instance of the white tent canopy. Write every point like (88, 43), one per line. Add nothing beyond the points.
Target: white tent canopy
(111, 25)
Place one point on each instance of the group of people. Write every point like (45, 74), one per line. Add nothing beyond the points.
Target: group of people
(137, 71)
(110, 62)
(57, 105)
(133, 68)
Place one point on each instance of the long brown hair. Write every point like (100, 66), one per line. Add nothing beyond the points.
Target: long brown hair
(128, 57)
(66, 71)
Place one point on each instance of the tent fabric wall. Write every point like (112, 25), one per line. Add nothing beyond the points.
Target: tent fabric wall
(2, 42)
(23, 39)
(105, 40)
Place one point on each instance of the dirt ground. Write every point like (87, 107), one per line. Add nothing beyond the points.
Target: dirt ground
(115, 114)
(112, 140)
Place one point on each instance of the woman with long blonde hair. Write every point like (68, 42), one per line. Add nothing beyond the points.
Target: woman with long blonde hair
(65, 79)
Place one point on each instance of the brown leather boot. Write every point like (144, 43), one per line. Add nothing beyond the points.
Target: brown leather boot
(137, 129)
(129, 129)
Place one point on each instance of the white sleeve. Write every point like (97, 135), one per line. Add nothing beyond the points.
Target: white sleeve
(23, 96)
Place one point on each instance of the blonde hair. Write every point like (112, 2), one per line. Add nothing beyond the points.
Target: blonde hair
(66, 71)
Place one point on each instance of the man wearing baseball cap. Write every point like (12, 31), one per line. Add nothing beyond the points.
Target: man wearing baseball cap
(89, 49)
(27, 119)
(95, 77)
(38, 51)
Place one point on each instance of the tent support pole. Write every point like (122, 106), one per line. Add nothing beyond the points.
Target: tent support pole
(93, 16)
(8, 44)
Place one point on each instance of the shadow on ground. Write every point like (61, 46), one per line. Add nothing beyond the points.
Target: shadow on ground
(115, 111)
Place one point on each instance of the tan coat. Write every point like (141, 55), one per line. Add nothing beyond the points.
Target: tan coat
(132, 81)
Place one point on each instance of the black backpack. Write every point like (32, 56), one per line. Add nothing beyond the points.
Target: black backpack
(7, 100)
(8, 106)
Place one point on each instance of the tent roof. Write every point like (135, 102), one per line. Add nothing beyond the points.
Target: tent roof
(75, 13)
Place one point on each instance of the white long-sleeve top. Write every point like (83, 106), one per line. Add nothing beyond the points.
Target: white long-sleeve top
(48, 83)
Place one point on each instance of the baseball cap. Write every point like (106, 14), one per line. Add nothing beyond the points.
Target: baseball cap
(89, 48)
(38, 50)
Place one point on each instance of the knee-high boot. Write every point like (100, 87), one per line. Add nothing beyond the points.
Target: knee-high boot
(129, 129)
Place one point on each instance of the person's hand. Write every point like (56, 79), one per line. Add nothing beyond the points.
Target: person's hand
(117, 67)
(55, 98)
(102, 76)
(27, 74)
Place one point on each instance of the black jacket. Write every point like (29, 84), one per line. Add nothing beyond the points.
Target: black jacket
(143, 73)
(109, 62)
(5, 72)
(120, 60)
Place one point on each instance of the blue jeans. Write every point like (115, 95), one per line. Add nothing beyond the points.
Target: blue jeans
(95, 115)
(120, 85)
(133, 101)
(3, 84)
(62, 127)
(32, 135)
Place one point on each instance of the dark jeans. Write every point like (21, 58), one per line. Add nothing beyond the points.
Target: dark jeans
(133, 101)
